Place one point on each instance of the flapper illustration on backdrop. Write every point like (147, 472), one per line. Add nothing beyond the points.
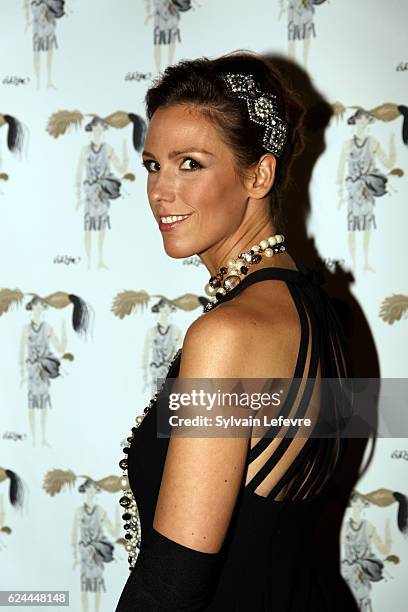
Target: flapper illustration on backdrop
(15, 138)
(100, 185)
(394, 308)
(43, 16)
(91, 520)
(161, 342)
(38, 364)
(166, 25)
(163, 339)
(358, 170)
(361, 564)
(300, 24)
(16, 494)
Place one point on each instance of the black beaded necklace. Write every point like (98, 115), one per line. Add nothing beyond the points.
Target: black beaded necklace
(127, 501)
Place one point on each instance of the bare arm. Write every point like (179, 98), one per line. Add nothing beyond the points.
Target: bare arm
(202, 476)
(59, 345)
(148, 13)
(23, 343)
(120, 166)
(387, 160)
(341, 170)
(75, 536)
(146, 350)
(179, 337)
(342, 162)
(26, 14)
(114, 530)
(79, 174)
(383, 546)
(282, 8)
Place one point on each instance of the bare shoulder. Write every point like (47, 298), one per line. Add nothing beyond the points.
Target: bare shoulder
(242, 338)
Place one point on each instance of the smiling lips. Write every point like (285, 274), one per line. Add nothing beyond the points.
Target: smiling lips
(168, 223)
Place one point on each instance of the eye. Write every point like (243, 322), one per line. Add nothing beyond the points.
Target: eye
(148, 164)
(193, 164)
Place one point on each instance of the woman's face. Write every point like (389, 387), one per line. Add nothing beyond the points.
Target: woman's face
(97, 132)
(358, 504)
(362, 121)
(192, 174)
(38, 308)
(165, 310)
(91, 490)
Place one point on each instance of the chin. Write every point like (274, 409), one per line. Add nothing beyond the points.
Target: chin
(178, 251)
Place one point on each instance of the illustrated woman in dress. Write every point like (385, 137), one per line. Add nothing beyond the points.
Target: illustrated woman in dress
(16, 493)
(363, 180)
(231, 516)
(15, 138)
(38, 364)
(166, 26)
(360, 564)
(44, 15)
(301, 26)
(89, 541)
(162, 340)
(94, 174)
(90, 546)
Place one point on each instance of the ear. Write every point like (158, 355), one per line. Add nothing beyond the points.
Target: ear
(260, 177)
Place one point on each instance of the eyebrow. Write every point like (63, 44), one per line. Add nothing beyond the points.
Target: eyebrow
(181, 152)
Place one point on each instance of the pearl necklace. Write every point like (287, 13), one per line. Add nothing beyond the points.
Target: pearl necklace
(131, 515)
(218, 286)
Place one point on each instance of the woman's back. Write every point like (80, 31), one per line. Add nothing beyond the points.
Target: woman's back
(273, 555)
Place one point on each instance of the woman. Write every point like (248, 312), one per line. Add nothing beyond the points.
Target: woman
(96, 159)
(38, 364)
(364, 181)
(94, 549)
(161, 342)
(361, 566)
(232, 523)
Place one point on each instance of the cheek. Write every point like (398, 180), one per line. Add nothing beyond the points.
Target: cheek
(212, 194)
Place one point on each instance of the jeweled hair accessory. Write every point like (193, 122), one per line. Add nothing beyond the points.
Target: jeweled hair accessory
(263, 109)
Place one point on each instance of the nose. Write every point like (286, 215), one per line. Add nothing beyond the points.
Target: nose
(161, 188)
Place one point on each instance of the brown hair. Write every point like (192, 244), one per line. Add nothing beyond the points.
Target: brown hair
(196, 82)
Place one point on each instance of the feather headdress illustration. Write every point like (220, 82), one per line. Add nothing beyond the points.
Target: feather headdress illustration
(100, 186)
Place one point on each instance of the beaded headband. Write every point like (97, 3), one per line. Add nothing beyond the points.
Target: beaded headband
(263, 109)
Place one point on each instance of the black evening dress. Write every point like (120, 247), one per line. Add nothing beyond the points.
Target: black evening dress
(276, 554)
